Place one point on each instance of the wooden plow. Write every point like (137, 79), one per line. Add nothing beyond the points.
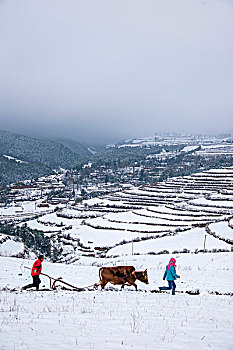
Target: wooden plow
(53, 281)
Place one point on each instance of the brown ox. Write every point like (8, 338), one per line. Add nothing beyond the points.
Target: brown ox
(124, 275)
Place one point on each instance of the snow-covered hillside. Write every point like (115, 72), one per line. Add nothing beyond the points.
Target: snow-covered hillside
(183, 214)
(114, 319)
(193, 141)
(189, 218)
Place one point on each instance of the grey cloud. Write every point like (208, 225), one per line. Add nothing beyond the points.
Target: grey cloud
(106, 70)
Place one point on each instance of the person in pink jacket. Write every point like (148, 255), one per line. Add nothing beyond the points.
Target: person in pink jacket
(170, 275)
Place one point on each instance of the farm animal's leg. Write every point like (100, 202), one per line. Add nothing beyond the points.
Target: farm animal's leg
(103, 285)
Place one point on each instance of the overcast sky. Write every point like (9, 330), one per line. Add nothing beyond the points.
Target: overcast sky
(106, 70)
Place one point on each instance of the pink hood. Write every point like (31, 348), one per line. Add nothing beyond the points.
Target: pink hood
(172, 262)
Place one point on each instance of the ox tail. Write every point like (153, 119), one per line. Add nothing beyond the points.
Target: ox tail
(100, 277)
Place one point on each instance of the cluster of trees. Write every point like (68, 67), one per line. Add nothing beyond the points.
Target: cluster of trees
(186, 164)
(115, 158)
(36, 157)
(108, 163)
(12, 171)
(35, 240)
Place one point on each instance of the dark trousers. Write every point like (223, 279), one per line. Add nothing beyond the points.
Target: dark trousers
(171, 285)
(36, 283)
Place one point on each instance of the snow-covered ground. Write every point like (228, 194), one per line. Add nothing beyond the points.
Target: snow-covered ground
(23, 208)
(207, 202)
(35, 225)
(10, 247)
(191, 240)
(114, 319)
(222, 229)
(15, 159)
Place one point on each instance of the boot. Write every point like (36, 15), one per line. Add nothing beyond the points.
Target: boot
(27, 286)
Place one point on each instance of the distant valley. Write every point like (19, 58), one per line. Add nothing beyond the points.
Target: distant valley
(137, 161)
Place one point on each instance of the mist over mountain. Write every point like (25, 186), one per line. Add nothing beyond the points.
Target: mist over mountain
(99, 72)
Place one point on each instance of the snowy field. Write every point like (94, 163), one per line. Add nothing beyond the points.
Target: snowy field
(114, 319)
(10, 247)
(23, 208)
(191, 240)
(222, 229)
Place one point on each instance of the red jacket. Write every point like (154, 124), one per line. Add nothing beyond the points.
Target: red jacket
(36, 268)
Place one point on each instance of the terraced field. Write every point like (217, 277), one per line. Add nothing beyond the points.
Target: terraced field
(184, 214)
(177, 215)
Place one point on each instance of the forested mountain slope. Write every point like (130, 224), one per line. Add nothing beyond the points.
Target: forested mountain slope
(23, 157)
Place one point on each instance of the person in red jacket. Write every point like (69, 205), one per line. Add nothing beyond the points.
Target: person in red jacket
(35, 273)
